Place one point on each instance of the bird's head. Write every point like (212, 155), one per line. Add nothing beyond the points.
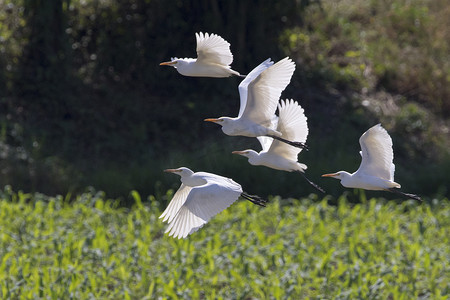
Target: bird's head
(338, 175)
(172, 63)
(183, 172)
(246, 153)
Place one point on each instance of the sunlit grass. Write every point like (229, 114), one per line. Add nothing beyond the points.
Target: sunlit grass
(290, 249)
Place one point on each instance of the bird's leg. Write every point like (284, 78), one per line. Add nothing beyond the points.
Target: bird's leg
(295, 144)
(254, 199)
(312, 183)
(242, 75)
(412, 196)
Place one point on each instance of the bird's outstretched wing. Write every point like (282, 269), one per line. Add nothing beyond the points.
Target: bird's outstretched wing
(243, 86)
(203, 203)
(177, 201)
(265, 91)
(377, 154)
(292, 124)
(212, 48)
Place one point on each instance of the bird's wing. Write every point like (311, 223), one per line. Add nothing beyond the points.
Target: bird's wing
(243, 86)
(203, 203)
(266, 141)
(265, 91)
(292, 123)
(177, 201)
(212, 48)
(377, 154)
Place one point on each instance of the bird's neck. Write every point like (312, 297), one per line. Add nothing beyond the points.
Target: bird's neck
(193, 180)
(254, 158)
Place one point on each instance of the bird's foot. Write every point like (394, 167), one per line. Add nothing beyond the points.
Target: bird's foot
(294, 144)
(254, 199)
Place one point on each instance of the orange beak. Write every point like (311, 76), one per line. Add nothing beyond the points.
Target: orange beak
(239, 152)
(171, 170)
(168, 63)
(212, 120)
(330, 175)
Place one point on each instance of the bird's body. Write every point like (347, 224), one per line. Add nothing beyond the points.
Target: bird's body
(367, 182)
(213, 58)
(201, 196)
(259, 95)
(376, 171)
(292, 124)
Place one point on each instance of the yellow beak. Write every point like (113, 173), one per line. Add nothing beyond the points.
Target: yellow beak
(239, 152)
(168, 63)
(212, 120)
(330, 175)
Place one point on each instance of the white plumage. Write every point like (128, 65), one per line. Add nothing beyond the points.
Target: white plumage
(292, 124)
(376, 171)
(200, 197)
(259, 95)
(213, 58)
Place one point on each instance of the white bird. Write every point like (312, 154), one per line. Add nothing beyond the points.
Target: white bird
(213, 58)
(376, 171)
(200, 197)
(292, 123)
(259, 94)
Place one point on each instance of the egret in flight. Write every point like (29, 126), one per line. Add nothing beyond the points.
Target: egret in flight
(292, 124)
(260, 92)
(376, 171)
(200, 197)
(213, 58)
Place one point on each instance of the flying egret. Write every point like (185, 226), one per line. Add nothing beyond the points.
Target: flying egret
(376, 171)
(213, 58)
(292, 124)
(200, 197)
(259, 93)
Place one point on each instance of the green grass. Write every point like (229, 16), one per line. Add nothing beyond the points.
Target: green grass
(298, 249)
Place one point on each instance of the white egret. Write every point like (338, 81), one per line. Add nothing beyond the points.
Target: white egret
(376, 171)
(213, 58)
(292, 123)
(200, 197)
(259, 94)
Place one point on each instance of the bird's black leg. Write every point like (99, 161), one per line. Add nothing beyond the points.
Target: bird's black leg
(412, 196)
(312, 183)
(295, 144)
(254, 199)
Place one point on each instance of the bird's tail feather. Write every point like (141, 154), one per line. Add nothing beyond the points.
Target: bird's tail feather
(312, 183)
(412, 196)
(254, 199)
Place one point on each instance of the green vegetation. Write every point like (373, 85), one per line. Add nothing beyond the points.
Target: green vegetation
(87, 247)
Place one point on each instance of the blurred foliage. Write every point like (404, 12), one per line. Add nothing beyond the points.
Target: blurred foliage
(84, 102)
(87, 247)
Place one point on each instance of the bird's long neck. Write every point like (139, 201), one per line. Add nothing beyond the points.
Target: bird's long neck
(346, 179)
(253, 157)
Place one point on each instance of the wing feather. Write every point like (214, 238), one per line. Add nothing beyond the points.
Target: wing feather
(243, 86)
(203, 203)
(266, 141)
(212, 48)
(377, 154)
(177, 201)
(293, 125)
(265, 91)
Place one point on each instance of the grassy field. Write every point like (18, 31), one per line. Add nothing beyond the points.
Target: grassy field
(298, 249)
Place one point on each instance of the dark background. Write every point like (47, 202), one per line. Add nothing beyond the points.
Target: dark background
(84, 102)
